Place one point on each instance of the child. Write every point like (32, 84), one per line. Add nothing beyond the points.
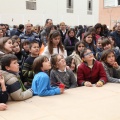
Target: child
(10, 69)
(111, 67)
(70, 41)
(71, 63)
(41, 82)
(5, 46)
(3, 93)
(88, 41)
(106, 44)
(54, 45)
(59, 73)
(90, 71)
(99, 48)
(27, 71)
(3, 90)
(79, 46)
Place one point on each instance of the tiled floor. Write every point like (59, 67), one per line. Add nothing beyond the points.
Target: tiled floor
(75, 104)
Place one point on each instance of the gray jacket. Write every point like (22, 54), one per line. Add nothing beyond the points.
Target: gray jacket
(113, 75)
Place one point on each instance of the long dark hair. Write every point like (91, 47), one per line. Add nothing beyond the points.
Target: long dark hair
(53, 34)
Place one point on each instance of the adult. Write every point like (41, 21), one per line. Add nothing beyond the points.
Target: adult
(20, 30)
(116, 35)
(43, 34)
(28, 34)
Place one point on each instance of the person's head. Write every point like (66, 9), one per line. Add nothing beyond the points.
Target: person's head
(48, 22)
(16, 38)
(106, 43)
(112, 39)
(62, 26)
(34, 48)
(28, 28)
(79, 46)
(118, 28)
(9, 63)
(99, 43)
(88, 38)
(16, 47)
(54, 41)
(98, 28)
(71, 33)
(108, 57)
(70, 61)
(115, 27)
(21, 27)
(91, 30)
(6, 44)
(40, 64)
(57, 62)
(3, 27)
(87, 55)
(1, 33)
(25, 45)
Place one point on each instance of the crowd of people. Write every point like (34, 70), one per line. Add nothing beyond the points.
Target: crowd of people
(46, 61)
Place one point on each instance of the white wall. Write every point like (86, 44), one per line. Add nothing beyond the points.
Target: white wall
(54, 9)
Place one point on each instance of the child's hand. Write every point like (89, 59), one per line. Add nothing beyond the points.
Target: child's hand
(115, 65)
(99, 84)
(88, 84)
(3, 106)
(61, 90)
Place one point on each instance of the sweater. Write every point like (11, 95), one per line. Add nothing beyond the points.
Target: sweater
(55, 51)
(27, 71)
(17, 90)
(92, 75)
(67, 78)
(41, 85)
(113, 75)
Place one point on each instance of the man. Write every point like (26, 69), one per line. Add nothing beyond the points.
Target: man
(43, 34)
(28, 34)
(20, 30)
(3, 27)
(116, 35)
(63, 31)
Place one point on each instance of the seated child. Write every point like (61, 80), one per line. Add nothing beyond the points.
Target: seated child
(3, 94)
(111, 66)
(90, 71)
(70, 61)
(59, 73)
(27, 71)
(41, 82)
(10, 67)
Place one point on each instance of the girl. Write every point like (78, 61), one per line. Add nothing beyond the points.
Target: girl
(111, 67)
(79, 46)
(41, 82)
(106, 44)
(54, 45)
(71, 63)
(5, 46)
(70, 41)
(90, 71)
(59, 73)
(89, 42)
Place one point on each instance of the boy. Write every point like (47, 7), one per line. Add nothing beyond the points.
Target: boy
(27, 71)
(10, 67)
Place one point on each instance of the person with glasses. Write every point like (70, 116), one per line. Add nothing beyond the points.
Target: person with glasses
(90, 71)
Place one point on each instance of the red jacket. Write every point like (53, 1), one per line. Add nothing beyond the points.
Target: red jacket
(93, 75)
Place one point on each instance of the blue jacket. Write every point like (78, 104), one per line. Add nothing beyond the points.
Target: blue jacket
(41, 85)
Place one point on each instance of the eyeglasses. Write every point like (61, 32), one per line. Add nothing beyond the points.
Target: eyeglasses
(90, 53)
